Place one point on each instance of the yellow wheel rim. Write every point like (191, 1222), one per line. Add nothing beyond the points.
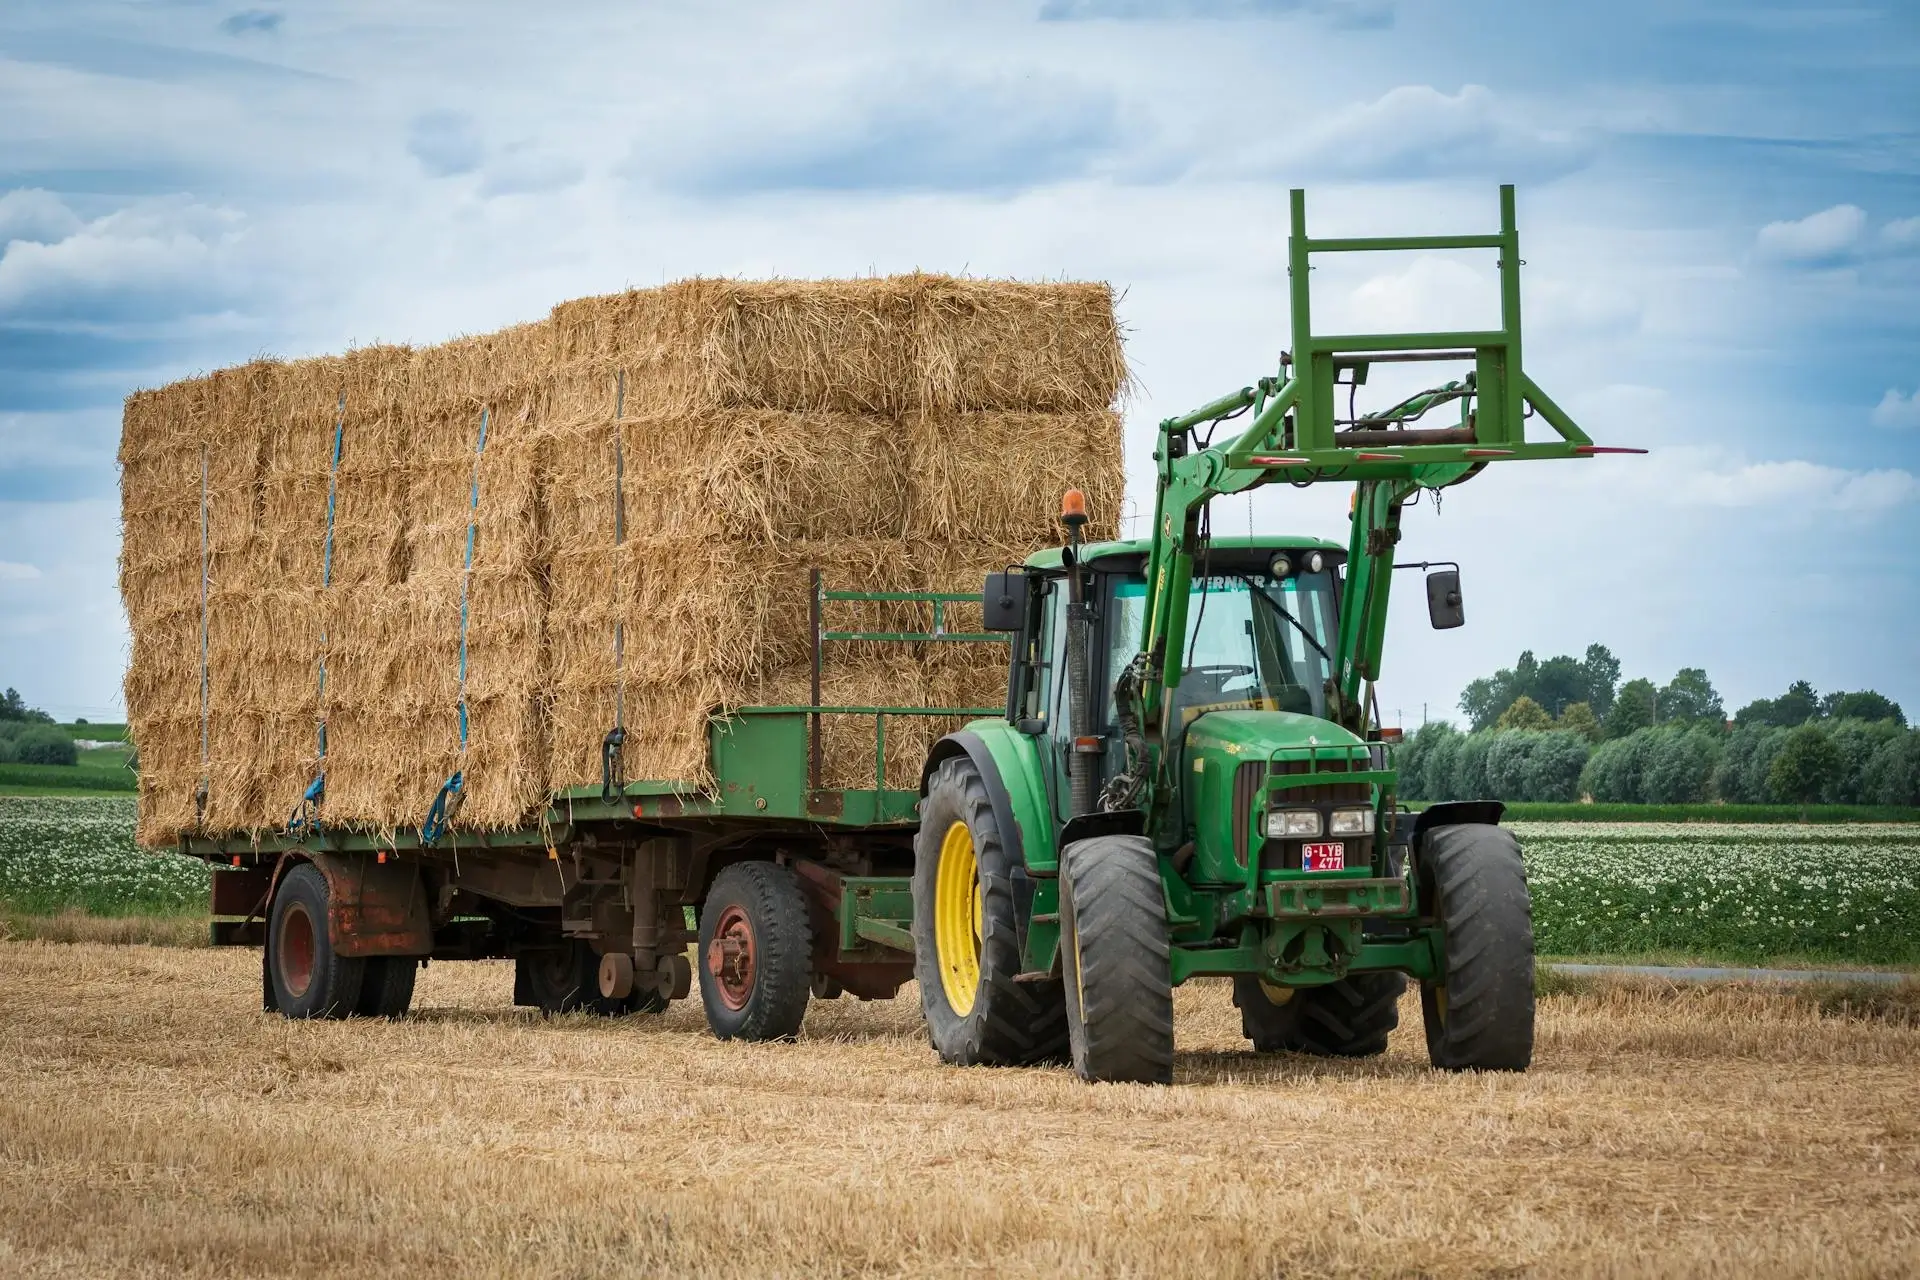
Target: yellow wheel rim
(956, 918)
(1278, 995)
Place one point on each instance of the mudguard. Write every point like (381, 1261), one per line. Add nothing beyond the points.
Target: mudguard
(1011, 765)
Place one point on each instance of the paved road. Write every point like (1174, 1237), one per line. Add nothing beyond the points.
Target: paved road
(1678, 973)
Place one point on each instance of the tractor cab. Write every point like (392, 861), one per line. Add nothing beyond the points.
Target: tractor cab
(1261, 634)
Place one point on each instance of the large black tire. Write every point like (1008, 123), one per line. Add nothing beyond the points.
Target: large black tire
(309, 979)
(386, 989)
(757, 906)
(565, 979)
(992, 1019)
(1480, 1015)
(1350, 1018)
(1115, 956)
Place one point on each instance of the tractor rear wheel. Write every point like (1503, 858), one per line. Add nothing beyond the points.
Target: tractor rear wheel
(1115, 954)
(1350, 1018)
(756, 953)
(310, 979)
(1479, 1015)
(386, 989)
(966, 951)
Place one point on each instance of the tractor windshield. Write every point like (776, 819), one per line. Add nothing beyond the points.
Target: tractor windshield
(1254, 642)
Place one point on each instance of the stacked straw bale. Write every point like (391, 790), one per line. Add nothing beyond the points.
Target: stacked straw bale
(912, 432)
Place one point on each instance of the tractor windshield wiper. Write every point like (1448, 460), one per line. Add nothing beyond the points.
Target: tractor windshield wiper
(1254, 587)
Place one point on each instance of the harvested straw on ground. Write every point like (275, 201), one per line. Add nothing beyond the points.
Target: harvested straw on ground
(663, 469)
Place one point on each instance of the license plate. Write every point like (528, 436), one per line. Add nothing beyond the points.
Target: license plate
(1323, 857)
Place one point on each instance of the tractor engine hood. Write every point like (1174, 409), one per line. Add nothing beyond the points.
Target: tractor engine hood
(1240, 763)
(1240, 735)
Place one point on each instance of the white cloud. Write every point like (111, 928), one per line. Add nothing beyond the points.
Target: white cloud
(1902, 233)
(156, 248)
(1416, 131)
(1897, 410)
(12, 571)
(1715, 478)
(1819, 237)
(36, 215)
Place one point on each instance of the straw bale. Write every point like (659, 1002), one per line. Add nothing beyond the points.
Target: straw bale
(504, 770)
(474, 368)
(906, 344)
(995, 478)
(236, 739)
(667, 739)
(896, 433)
(384, 763)
(1006, 344)
(169, 776)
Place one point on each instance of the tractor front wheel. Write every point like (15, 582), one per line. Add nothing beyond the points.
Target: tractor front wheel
(1350, 1018)
(1115, 954)
(966, 949)
(1479, 1015)
(756, 953)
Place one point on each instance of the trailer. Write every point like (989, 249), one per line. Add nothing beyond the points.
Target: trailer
(768, 885)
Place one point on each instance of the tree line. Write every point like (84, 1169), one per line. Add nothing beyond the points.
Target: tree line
(1566, 728)
(29, 736)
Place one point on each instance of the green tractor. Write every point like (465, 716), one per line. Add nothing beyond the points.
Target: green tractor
(1191, 778)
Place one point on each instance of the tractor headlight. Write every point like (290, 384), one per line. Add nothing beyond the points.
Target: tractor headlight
(1282, 823)
(1352, 822)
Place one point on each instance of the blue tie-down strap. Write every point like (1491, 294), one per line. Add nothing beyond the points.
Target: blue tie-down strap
(306, 814)
(442, 810)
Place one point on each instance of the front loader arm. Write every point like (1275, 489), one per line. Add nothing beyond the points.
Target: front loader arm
(1296, 436)
(1187, 484)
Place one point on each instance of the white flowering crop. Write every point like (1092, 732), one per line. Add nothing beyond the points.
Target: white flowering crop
(1846, 892)
(61, 852)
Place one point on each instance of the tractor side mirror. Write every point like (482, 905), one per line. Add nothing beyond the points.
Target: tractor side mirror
(1003, 603)
(1444, 607)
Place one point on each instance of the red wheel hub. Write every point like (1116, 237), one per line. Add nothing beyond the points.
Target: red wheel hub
(730, 958)
(294, 949)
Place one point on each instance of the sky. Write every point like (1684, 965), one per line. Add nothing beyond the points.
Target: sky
(1719, 209)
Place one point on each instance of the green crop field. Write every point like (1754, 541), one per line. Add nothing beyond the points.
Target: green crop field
(76, 853)
(1718, 814)
(1843, 894)
(1750, 893)
(96, 732)
(97, 769)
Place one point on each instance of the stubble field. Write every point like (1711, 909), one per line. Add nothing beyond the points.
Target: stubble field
(153, 1122)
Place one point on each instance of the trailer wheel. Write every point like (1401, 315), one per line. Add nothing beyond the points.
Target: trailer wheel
(966, 948)
(1350, 1018)
(1479, 1016)
(1115, 954)
(310, 980)
(386, 990)
(566, 978)
(756, 953)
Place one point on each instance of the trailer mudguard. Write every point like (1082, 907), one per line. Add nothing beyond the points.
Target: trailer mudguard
(1010, 763)
(375, 908)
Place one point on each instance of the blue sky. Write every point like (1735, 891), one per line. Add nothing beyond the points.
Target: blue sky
(1720, 207)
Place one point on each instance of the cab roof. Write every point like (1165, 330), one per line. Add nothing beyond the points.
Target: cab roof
(1050, 557)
